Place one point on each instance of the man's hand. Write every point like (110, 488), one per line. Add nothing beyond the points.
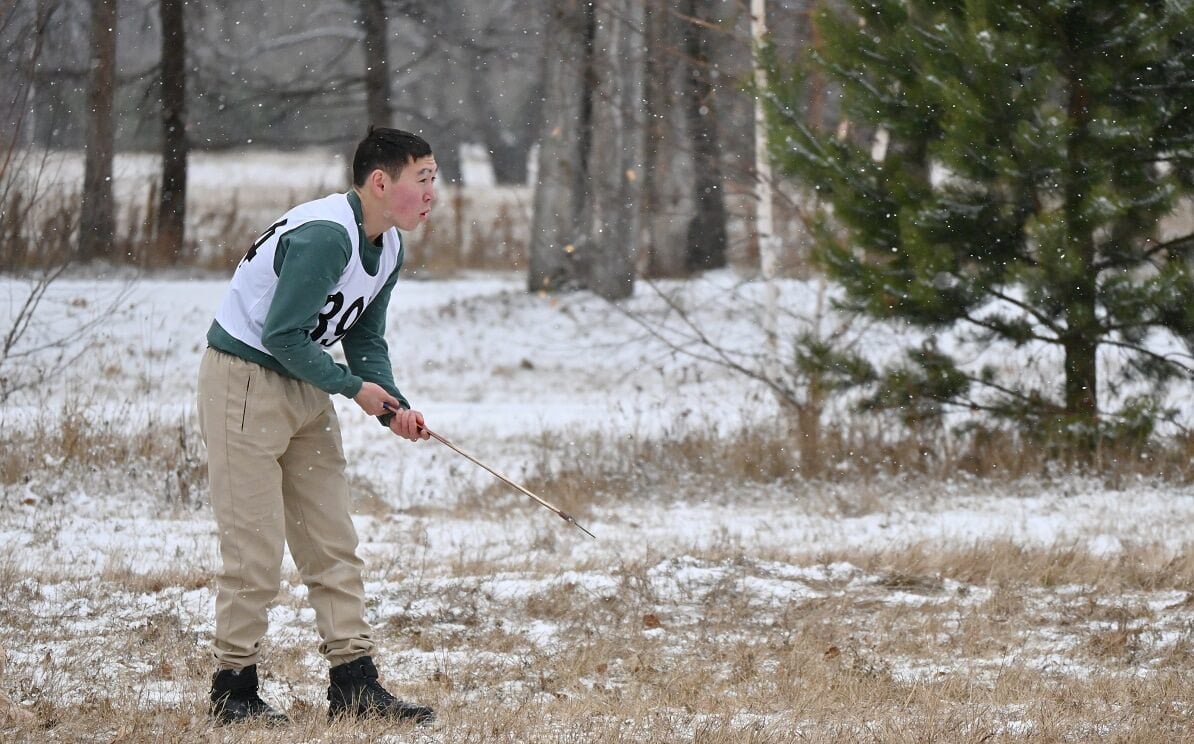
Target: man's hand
(374, 400)
(408, 424)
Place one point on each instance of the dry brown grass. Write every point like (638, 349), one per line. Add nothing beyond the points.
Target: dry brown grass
(1002, 657)
(1003, 562)
(994, 641)
(596, 469)
(76, 438)
(482, 229)
(486, 229)
(479, 229)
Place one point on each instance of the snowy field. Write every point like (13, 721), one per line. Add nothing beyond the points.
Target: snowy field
(724, 600)
(710, 608)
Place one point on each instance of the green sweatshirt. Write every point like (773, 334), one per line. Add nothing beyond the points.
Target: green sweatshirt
(309, 261)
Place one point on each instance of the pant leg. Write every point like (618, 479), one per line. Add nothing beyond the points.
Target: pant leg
(321, 535)
(245, 423)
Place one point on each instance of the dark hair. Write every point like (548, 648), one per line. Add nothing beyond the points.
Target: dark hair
(388, 149)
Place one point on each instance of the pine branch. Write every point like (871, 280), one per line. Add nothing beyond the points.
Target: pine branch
(1002, 330)
(1035, 313)
(1185, 241)
(1163, 358)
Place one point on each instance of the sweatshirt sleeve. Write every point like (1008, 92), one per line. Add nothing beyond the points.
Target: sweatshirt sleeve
(309, 262)
(365, 345)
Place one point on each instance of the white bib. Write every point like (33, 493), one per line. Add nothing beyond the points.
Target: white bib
(251, 292)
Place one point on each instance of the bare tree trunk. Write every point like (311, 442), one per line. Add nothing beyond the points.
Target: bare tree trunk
(1081, 341)
(561, 188)
(172, 204)
(707, 231)
(508, 147)
(97, 221)
(668, 205)
(446, 143)
(377, 65)
(18, 88)
(764, 221)
(808, 425)
(617, 149)
(511, 152)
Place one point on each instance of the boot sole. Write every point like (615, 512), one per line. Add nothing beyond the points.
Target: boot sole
(220, 720)
(359, 715)
(258, 720)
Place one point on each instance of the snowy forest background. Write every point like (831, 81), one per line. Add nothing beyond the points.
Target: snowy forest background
(861, 338)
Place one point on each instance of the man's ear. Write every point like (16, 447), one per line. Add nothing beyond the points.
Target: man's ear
(377, 180)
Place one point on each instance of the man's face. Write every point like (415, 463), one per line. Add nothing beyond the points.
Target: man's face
(407, 199)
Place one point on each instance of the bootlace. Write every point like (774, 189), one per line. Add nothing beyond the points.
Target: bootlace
(254, 702)
(379, 691)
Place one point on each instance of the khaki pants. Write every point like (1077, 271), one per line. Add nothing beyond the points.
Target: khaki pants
(276, 465)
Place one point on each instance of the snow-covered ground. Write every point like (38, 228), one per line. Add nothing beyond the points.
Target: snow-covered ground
(517, 380)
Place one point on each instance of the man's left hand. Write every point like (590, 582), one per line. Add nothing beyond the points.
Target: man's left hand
(408, 424)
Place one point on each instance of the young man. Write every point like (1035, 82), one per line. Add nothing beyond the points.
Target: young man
(321, 274)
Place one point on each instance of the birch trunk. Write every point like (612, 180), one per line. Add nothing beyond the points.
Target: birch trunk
(764, 220)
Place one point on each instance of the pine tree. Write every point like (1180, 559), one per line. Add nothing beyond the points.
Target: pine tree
(1031, 152)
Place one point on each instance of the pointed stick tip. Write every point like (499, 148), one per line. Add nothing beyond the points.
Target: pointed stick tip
(572, 520)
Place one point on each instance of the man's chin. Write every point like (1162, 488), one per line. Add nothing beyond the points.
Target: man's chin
(411, 224)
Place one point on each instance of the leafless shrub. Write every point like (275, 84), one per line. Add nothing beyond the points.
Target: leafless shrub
(76, 438)
(44, 331)
(39, 218)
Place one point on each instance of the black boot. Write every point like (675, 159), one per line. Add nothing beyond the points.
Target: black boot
(355, 691)
(234, 698)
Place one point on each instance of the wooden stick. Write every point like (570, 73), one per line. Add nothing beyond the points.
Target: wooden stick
(558, 512)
